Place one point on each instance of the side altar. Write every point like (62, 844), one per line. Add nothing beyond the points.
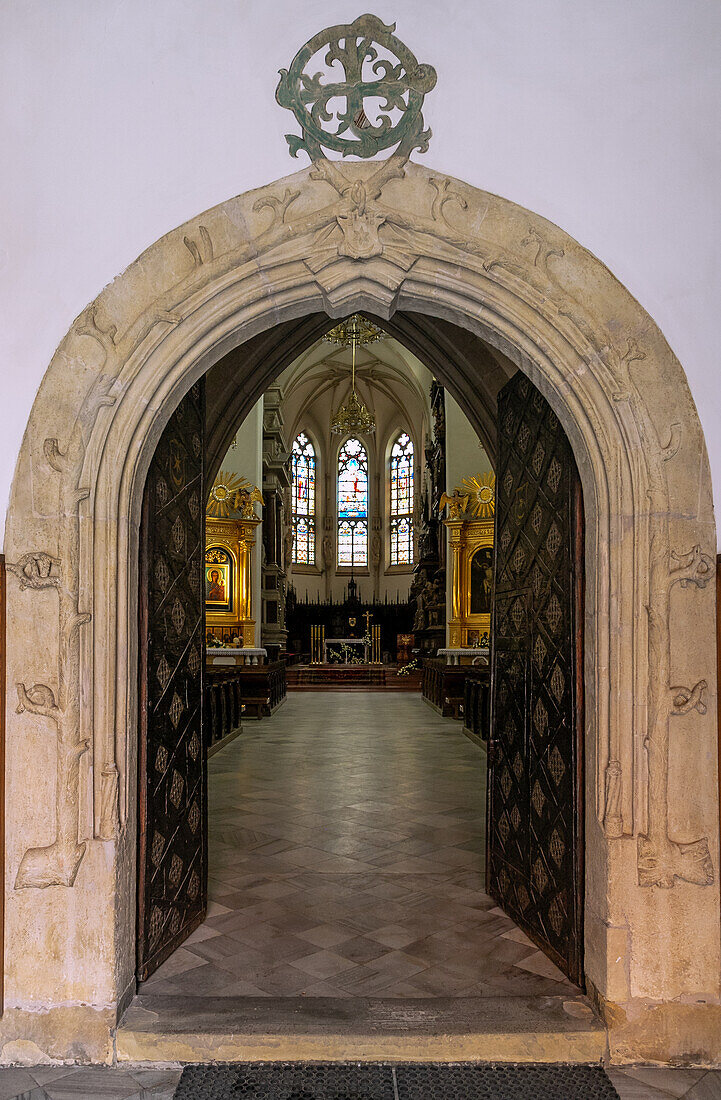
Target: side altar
(229, 544)
(470, 524)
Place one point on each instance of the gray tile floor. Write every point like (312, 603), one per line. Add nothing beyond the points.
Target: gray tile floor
(101, 1083)
(87, 1083)
(660, 1083)
(346, 860)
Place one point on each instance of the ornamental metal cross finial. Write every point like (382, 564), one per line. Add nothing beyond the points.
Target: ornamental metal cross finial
(377, 103)
(368, 99)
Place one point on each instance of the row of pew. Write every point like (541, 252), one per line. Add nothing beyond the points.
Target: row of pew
(459, 691)
(234, 693)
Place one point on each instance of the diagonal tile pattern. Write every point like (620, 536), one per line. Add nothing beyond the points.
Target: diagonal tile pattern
(346, 860)
(158, 1083)
(88, 1083)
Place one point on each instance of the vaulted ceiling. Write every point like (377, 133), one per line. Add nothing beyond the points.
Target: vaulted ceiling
(398, 369)
(391, 381)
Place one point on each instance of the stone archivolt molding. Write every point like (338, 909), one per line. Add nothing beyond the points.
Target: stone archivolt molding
(398, 237)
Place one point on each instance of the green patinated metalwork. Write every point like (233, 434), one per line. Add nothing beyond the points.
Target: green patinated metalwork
(373, 87)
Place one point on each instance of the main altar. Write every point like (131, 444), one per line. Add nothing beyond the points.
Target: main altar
(346, 651)
(357, 646)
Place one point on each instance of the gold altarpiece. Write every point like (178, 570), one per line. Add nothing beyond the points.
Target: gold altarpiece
(470, 526)
(229, 542)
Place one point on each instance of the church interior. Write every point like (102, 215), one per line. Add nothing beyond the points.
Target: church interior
(348, 550)
(348, 578)
(360, 620)
(348, 557)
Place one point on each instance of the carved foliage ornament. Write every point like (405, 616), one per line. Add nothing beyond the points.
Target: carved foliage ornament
(661, 860)
(57, 863)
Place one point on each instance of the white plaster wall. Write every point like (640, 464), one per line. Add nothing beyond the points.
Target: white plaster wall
(122, 120)
(465, 454)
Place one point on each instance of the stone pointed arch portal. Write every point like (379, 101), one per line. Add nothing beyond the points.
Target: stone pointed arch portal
(439, 248)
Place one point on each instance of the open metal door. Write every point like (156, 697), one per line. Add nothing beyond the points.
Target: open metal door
(172, 828)
(535, 757)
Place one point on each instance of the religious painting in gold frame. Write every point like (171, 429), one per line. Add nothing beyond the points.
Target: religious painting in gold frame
(219, 580)
(481, 581)
(230, 541)
(477, 586)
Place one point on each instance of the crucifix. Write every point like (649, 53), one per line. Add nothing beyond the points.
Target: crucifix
(367, 616)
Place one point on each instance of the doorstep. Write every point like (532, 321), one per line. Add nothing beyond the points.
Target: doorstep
(259, 1029)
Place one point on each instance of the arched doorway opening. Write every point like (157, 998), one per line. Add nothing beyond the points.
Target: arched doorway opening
(526, 288)
(535, 825)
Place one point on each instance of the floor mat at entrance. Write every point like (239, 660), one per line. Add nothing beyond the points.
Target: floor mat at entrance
(509, 1082)
(331, 1081)
(286, 1081)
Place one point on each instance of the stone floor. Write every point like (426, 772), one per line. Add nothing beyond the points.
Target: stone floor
(659, 1083)
(87, 1083)
(346, 860)
(99, 1083)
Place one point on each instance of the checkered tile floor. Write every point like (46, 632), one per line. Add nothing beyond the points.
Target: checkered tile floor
(346, 860)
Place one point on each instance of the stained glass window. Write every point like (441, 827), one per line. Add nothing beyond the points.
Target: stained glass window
(401, 502)
(303, 468)
(352, 504)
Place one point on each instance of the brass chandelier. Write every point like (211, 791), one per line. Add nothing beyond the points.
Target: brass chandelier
(353, 415)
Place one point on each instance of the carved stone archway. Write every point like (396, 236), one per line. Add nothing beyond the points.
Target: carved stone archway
(426, 244)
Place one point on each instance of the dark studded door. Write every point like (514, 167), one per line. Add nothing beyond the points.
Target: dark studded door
(172, 850)
(535, 801)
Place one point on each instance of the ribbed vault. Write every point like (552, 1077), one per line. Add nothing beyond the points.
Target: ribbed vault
(459, 359)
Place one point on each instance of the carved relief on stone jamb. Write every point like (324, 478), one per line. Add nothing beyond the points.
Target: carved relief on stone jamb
(662, 860)
(57, 864)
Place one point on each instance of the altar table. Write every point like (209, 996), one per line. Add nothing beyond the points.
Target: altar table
(342, 642)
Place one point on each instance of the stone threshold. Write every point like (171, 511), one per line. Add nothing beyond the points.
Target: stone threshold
(257, 1029)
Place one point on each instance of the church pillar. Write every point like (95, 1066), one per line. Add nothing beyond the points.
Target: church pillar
(276, 481)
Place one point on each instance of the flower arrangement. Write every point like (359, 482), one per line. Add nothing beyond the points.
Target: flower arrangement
(346, 654)
(211, 642)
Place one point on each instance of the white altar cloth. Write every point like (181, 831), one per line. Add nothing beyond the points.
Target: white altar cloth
(348, 642)
(235, 655)
(478, 655)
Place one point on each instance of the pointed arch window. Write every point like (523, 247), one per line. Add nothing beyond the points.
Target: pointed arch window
(352, 504)
(303, 466)
(401, 501)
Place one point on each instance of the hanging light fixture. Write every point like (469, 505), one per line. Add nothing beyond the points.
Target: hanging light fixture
(353, 415)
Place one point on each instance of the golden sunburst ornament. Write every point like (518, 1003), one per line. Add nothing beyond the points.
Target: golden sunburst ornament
(221, 499)
(481, 493)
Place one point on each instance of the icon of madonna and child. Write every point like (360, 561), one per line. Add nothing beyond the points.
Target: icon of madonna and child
(218, 581)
